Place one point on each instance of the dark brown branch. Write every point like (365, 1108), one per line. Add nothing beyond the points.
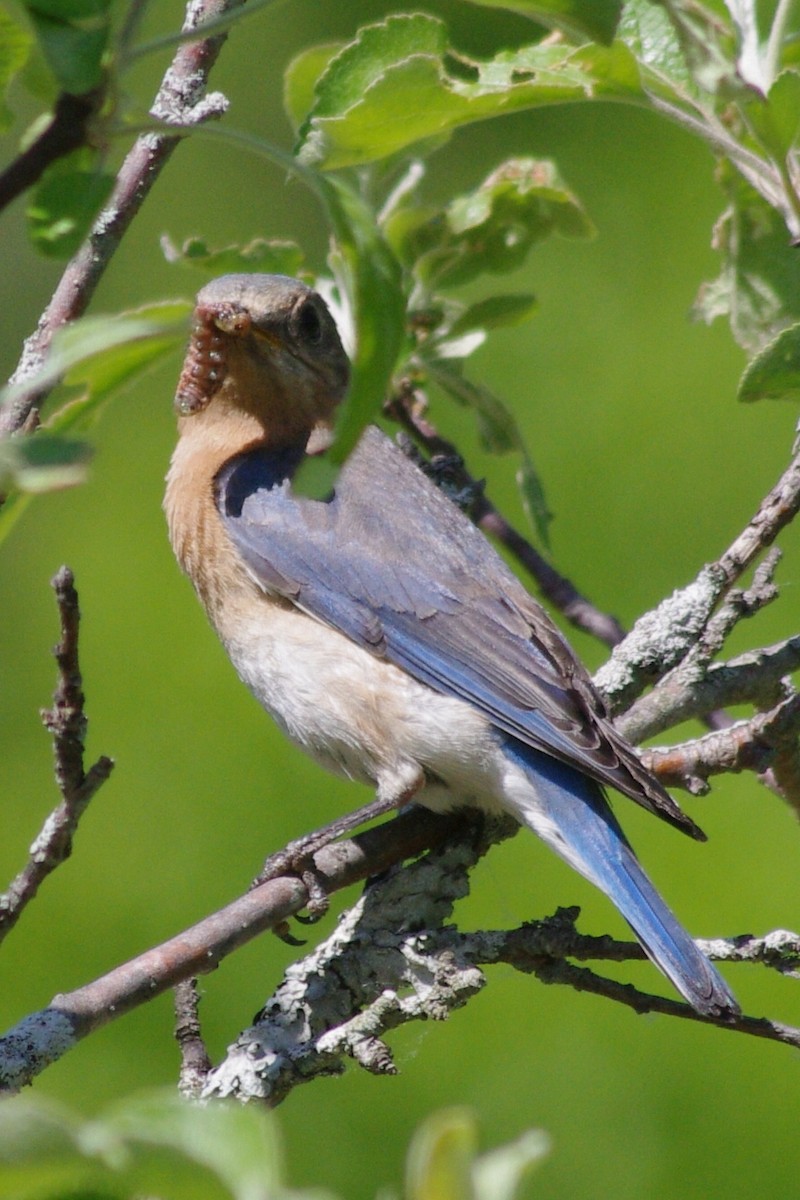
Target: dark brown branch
(68, 131)
(556, 588)
(582, 979)
(180, 100)
(66, 721)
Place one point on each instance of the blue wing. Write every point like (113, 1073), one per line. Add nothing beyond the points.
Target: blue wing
(393, 564)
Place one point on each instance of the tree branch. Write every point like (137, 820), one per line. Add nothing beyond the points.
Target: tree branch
(744, 746)
(753, 677)
(374, 974)
(43, 1037)
(195, 1062)
(181, 100)
(663, 637)
(66, 721)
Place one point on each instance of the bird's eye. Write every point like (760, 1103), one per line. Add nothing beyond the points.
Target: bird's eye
(308, 323)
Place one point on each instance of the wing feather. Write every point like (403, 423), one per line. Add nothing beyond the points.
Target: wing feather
(393, 564)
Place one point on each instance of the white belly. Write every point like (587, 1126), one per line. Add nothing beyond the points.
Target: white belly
(356, 714)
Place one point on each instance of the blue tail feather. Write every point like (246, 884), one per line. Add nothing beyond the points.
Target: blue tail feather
(570, 812)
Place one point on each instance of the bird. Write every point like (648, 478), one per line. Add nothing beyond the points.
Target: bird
(378, 627)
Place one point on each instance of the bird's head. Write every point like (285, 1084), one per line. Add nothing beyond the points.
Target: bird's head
(264, 350)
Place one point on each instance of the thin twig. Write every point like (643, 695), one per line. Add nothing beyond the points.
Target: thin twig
(744, 746)
(180, 100)
(663, 637)
(776, 510)
(66, 721)
(753, 677)
(195, 1062)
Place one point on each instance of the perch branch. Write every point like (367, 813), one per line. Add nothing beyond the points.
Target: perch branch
(66, 721)
(43, 1037)
(373, 974)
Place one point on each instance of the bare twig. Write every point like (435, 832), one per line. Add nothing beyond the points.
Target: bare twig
(556, 588)
(66, 721)
(181, 100)
(744, 746)
(195, 1062)
(662, 638)
(776, 510)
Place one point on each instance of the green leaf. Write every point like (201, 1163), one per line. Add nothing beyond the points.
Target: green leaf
(41, 462)
(775, 118)
(499, 1174)
(493, 313)
(594, 19)
(369, 280)
(105, 354)
(300, 80)
(439, 1164)
(15, 45)
(273, 257)
(240, 1145)
(63, 208)
(492, 228)
(73, 36)
(399, 83)
(647, 30)
(774, 374)
(758, 288)
(534, 501)
(708, 46)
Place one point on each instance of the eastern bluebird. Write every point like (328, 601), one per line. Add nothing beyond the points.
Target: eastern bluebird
(379, 628)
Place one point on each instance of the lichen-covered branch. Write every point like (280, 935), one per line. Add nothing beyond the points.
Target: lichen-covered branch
(393, 959)
(45, 1036)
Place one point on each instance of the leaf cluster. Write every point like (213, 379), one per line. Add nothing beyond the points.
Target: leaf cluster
(155, 1144)
(368, 114)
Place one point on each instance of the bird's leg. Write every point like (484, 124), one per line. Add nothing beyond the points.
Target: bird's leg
(394, 791)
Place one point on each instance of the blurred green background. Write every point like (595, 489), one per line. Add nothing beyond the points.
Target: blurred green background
(650, 467)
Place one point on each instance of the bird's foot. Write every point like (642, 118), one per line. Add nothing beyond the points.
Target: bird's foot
(298, 857)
